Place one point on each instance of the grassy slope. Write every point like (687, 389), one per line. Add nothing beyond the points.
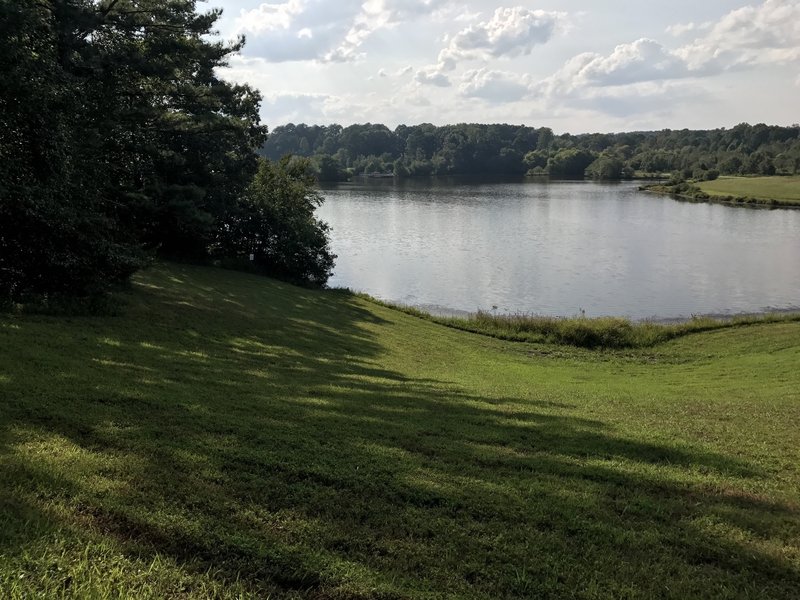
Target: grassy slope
(232, 436)
(781, 189)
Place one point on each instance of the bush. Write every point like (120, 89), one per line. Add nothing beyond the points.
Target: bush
(275, 223)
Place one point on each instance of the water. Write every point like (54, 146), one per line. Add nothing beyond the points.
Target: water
(560, 249)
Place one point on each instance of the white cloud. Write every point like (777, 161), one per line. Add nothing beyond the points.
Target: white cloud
(432, 76)
(466, 17)
(404, 10)
(752, 35)
(269, 17)
(747, 37)
(379, 14)
(402, 73)
(295, 30)
(653, 81)
(323, 30)
(642, 60)
(629, 80)
(682, 29)
(510, 32)
(494, 86)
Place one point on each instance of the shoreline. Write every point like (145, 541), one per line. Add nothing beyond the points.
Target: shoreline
(591, 332)
(740, 201)
(437, 311)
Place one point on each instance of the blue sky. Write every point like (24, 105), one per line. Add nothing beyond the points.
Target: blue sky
(575, 66)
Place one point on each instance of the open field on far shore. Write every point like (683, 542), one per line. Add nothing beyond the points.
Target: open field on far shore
(229, 436)
(781, 189)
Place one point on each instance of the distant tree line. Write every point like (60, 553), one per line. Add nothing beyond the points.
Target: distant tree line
(338, 152)
(120, 143)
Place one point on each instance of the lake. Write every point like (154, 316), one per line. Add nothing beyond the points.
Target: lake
(559, 249)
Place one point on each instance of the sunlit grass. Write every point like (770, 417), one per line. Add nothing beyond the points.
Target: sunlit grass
(779, 189)
(299, 444)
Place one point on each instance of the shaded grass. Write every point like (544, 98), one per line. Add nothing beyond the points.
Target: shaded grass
(231, 436)
(781, 190)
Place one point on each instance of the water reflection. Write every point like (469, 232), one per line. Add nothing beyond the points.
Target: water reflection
(559, 248)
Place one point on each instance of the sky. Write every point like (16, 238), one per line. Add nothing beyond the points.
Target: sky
(573, 65)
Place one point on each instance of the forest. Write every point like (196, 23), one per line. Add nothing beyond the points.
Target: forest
(340, 152)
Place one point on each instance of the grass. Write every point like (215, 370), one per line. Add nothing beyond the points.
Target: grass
(778, 190)
(581, 332)
(230, 436)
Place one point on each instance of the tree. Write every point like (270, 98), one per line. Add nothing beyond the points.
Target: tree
(118, 138)
(328, 168)
(59, 226)
(609, 167)
(569, 163)
(535, 158)
(275, 222)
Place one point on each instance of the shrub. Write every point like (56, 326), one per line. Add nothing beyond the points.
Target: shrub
(275, 223)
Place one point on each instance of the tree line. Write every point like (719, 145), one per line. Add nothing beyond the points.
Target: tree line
(339, 152)
(120, 143)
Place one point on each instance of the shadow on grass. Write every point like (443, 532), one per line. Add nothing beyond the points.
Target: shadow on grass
(259, 434)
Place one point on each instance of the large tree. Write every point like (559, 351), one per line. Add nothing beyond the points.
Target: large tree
(118, 138)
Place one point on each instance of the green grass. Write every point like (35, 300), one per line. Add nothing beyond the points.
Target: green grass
(600, 332)
(230, 436)
(781, 190)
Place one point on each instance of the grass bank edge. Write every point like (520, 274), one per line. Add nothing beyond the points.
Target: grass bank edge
(596, 333)
(705, 191)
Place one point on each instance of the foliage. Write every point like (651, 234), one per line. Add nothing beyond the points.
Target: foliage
(119, 140)
(569, 163)
(274, 221)
(609, 166)
(514, 150)
(59, 230)
(327, 168)
(230, 436)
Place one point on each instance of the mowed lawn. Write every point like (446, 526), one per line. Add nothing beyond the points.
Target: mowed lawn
(781, 189)
(229, 436)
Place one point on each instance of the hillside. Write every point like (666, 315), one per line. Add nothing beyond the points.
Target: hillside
(231, 436)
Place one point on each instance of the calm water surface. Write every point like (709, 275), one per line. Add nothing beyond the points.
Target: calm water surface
(559, 248)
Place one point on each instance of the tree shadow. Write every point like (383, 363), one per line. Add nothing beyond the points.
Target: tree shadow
(261, 434)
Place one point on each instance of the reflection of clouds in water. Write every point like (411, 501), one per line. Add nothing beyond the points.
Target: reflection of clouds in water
(557, 248)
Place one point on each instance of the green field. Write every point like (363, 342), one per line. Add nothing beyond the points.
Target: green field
(229, 436)
(784, 190)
